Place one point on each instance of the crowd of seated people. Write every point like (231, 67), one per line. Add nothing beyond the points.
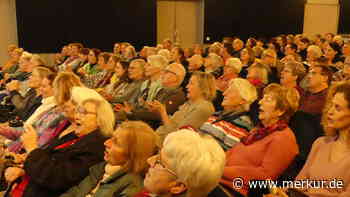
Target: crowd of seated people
(171, 121)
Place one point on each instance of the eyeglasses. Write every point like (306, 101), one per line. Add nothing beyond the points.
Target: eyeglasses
(158, 162)
(81, 110)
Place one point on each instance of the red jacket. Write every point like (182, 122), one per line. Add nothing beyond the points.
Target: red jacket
(264, 159)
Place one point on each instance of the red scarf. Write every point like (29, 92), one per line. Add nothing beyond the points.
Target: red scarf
(69, 143)
(143, 193)
(19, 188)
(261, 132)
(256, 82)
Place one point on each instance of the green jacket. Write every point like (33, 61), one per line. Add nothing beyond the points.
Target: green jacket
(120, 184)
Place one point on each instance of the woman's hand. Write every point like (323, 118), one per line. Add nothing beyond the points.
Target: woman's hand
(13, 173)
(127, 107)
(13, 85)
(156, 106)
(29, 138)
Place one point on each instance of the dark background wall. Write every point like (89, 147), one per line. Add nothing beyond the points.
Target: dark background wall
(245, 18)
(44, 26)
(344, 19)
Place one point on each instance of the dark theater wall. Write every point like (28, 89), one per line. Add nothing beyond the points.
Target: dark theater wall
(244, 18)
(344, 20)
(45, 25)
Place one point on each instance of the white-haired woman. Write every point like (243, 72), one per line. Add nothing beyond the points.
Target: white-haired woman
(189, 164)
(63, 163)
(231, 124)
(232, 69)
(270, 147)
(153, 71)
(313, 53)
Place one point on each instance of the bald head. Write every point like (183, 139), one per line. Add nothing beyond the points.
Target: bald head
(173, 75)
(195, 62)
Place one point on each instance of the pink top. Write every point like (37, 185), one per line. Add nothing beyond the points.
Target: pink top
(264, 159)
(319, 167)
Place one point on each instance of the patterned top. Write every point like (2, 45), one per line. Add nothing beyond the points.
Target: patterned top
(228, 129)
(48, 125)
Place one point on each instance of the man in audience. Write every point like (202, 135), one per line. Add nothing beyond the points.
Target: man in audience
(213, 64)
(343, 74)
(189, 165)
(73, 61)
(171, 95)
(346, 50)
(291, 49)
(314, 98)
(195, 63)
(302, 47)
(227, 52)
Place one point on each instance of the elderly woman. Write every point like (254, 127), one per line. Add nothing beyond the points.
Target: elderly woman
(26, 105)
(292, 74)
(153, 71)
(125, 163)
(201, 91)
(189, 165)
(22, 73)
(260, 156)
(233, 123)
(232, 69)
(331, 152)
(12, 64)
(247, 58)
(63, 163)
(11, 60)
(258, 75)
(313, 53)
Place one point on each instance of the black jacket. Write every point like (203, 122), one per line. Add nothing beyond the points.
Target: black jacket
(53, 171)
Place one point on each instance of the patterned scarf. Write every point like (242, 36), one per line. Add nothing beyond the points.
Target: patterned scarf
(260, 132)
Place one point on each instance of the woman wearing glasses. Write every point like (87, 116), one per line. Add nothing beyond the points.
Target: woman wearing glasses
(188, 165)
(125, 163)
(51, 170)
